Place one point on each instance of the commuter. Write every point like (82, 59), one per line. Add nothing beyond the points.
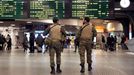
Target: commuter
(17, 42)
(123, 40)
(46, 48)
(3, 43)
(118, 41)
(32, 40)
(85, 36)
(112, 43)
(94, 37)
(103, 42)
(108, 44)
(76, 44)
(9, 42)
(68, 42)
(115, 42)
(63, 40)
(55, 34)
(39, 42)
(46, 42)
(25, 43)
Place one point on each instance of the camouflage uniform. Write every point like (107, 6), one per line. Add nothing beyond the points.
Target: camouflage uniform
(55, 34)
(85, 35)
(55, 48)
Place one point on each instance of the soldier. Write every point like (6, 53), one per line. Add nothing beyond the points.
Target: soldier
(56, 33)
(85, 35)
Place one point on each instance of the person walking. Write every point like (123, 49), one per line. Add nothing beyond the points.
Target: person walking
(4, 42)
(9, 42)
(103, 42)
(68, 42)
(25, 43)
(55, 32)
(39, 41)
(108, 43)
(115, 42)
(1, 42)
(76, 44)
(31, 42)
(85, 35)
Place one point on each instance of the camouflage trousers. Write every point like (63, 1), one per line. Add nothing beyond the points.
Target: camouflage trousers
(55, 48)
(85, 47)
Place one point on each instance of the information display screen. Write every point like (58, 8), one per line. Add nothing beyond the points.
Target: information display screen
(90, 8)
(11, 9)
(46, 9)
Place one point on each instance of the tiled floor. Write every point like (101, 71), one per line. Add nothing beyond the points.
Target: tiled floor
(104, 63)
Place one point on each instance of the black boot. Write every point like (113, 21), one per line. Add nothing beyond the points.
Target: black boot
(89, 67)
(82, 68)
(58, 68)
(52, 70)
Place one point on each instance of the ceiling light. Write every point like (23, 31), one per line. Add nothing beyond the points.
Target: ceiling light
(125, 3)
(12, 25)
(29, 22)
(1, 22)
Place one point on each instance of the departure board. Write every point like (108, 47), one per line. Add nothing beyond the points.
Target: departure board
(90, 8)
(46, 9)
(11, 9)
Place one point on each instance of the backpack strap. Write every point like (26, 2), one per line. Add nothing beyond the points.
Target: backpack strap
(82, 29)
(52, 27)
(79, 33)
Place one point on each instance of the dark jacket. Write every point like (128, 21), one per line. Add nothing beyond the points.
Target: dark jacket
(32, 39)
